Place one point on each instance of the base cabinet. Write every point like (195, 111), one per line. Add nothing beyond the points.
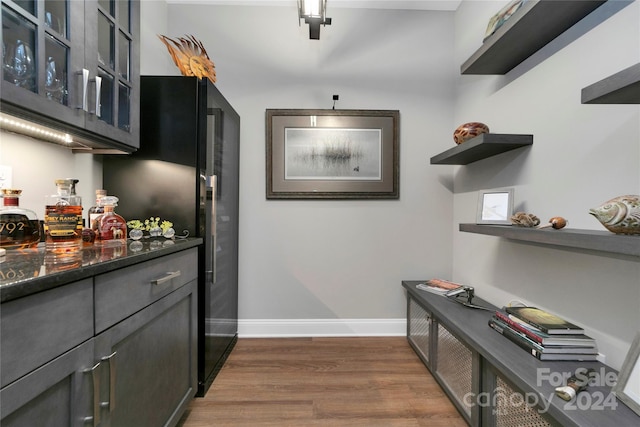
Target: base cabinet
(149, 361)
(141, 371)
(493, 381)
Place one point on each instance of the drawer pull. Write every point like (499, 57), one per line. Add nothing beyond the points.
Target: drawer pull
(95, 379)
(112, 380)
(168, 276)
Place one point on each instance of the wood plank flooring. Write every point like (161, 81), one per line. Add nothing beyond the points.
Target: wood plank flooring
(364, 382)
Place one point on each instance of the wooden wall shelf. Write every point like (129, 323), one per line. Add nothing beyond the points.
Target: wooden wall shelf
(534, 25)
(620, 88)
(482, 146)
(602, 241)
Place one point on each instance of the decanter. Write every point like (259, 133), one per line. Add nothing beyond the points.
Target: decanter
(96, 210)
(19, 227)
(110, 227)
(63, 219)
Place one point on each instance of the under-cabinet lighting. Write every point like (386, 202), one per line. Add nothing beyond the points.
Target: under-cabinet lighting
(34, 130)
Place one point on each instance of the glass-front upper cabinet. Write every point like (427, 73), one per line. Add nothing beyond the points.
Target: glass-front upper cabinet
(113, 61)
(74, 62)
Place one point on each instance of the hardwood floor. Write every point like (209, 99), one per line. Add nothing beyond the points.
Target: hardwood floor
(364, 382)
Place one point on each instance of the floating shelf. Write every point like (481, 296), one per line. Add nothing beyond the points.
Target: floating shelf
(482, 146)
(620, 88)
(535, 24)
(603, 241)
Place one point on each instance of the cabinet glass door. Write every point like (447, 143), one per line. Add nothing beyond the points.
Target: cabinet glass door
(114, 61)
(19, 65)
(41, 54)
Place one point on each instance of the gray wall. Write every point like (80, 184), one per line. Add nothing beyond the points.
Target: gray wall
(582, 155)
(323, 267)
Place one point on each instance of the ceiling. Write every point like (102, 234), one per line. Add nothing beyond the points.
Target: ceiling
(370, 4)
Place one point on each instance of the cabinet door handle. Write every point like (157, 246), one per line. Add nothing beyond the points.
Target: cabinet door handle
(168, 276)
(98, 91)
(112, 380)
(85, 83)
(95, 379)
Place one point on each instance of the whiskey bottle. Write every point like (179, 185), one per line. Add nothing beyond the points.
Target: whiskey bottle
(19, 228)
(96, 210)
(63, 219)
(110, 227)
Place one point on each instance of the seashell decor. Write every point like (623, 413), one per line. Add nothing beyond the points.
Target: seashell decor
(524, 219)
(469, 130)
(620, 215)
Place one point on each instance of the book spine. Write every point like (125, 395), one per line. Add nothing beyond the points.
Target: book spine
(530, 334)
(515, 338)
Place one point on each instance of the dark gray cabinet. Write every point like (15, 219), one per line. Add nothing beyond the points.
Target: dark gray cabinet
(74, 66)
(65, 362)
(493, 381)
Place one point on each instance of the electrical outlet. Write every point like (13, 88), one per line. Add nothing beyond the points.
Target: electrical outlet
(5, 176)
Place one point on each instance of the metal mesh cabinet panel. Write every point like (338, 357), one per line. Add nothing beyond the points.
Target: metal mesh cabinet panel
(419, 325)
(454, 366)
(511, 409)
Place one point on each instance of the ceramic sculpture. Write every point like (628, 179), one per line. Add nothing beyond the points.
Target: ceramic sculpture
(620, 215)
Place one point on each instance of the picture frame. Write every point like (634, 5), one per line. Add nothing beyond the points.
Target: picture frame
(495, 206)
(627, 388)
(332, 154)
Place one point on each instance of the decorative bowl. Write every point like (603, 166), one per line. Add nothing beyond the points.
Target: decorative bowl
(469, 130)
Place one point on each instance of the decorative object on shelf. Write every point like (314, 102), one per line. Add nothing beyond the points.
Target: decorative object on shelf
(557, 222)
(332, 154)
(626, 388)
(501, 17)
(524, 219)
(469, 130)
(495, 206)
(153, 226)
(190, 57)
(620, 215)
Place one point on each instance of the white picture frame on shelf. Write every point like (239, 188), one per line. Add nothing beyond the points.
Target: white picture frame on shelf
(627, 388)
(495, 206)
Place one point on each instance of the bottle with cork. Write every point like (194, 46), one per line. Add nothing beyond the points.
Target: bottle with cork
(63, 219)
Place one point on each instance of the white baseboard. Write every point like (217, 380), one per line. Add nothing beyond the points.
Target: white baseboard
(271, 328)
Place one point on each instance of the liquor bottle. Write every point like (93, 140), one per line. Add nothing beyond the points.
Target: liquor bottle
(110, 227)
(96, 210)
(63, 219)
(19, 228)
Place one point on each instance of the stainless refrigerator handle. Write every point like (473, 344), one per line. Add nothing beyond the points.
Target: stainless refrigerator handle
(212, 182)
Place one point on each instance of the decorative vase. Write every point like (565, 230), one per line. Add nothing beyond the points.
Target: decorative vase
(155, 232)
(620, 215)
(135, 234)
(469, 130)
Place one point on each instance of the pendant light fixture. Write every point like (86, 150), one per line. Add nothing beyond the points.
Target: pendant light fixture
(314, 13)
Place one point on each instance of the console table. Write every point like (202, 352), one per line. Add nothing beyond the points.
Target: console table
(494, 382)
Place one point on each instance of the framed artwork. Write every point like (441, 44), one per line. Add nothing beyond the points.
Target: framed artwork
(332, 154)
(627, 388)
(495, 206)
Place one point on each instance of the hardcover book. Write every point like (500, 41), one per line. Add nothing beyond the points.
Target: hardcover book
(538, 351)
(438, 286)
(544, 321)
(574, 340)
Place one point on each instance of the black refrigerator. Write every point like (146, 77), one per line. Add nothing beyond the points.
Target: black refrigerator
(186, 171)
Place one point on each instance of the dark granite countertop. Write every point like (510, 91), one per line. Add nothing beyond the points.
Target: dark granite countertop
(25, 272)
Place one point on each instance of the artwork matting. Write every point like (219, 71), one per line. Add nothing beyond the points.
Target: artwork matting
(332, 154)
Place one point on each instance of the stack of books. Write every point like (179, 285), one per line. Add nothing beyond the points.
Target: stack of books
(544, 335)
